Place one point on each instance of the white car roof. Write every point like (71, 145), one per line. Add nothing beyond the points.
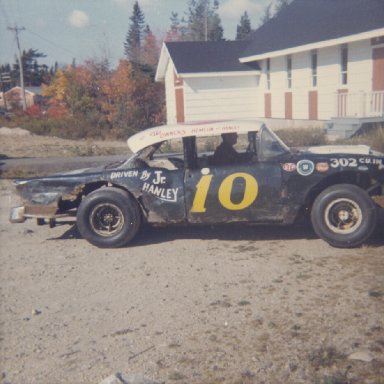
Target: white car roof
(155, 135)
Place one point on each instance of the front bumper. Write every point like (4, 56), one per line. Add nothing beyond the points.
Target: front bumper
(17, 215)
(21, 213)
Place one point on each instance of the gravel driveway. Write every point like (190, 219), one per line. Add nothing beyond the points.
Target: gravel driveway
(237, 304)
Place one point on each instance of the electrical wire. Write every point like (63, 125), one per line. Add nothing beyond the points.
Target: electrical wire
(51, 42)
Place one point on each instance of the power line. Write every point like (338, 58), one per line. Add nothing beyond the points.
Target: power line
(51, 42)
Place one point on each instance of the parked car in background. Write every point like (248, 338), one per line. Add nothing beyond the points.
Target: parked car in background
(172, 178)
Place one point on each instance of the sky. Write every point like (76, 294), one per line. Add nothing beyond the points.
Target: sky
(94, 29)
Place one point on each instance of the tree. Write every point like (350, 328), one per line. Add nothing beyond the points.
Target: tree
(203, 21)
(33, 72)
(267, 14)
(150, 51)
(134, 38)
(176, 30)
(280, 5)
(244, 28)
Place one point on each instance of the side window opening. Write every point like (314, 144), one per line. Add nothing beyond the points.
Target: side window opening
(166, 155)
(212, 151)
(269, 145)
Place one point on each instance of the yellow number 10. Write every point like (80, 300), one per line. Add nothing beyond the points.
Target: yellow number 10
(251, 190)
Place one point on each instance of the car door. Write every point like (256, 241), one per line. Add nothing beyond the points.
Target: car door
(240, 192)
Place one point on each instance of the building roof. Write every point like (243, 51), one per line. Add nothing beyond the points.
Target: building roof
(199, 57)
(305, 22)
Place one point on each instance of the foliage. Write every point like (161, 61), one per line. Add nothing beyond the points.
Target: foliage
(244, 28)
(302, 137)
(202, 23)
(268, 14)
(34, 73)
(121, 101)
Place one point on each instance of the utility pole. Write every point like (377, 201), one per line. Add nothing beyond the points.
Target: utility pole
(16, 30)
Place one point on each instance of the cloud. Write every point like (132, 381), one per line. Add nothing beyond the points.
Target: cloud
(78, 19)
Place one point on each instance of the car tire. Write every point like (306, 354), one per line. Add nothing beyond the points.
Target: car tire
(108, 218)
(344, 216)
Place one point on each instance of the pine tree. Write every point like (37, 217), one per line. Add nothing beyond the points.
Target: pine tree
(280, 5)
(244, 28)
(203, 21)
(267, 14)
(134, 38)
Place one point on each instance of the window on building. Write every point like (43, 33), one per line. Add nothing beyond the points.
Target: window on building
(314, 67)
(268, 72)
(344, 64)
(289, 71)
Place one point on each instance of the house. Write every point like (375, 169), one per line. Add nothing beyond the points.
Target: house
(318, 60)
(14, 96)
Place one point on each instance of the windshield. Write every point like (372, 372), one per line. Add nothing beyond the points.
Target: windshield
(270, 145)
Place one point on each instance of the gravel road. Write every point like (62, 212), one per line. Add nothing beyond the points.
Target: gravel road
(202, 305)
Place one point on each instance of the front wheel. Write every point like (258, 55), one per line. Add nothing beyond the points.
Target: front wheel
(108, 218)
(344, 216)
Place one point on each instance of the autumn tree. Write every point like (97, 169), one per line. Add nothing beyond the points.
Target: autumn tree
(244, 27)
(150, 51)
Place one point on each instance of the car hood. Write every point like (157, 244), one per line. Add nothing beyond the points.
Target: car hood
(343, 149)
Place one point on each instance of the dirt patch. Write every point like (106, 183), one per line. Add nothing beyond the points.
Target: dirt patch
(13, 144)
(202, 305)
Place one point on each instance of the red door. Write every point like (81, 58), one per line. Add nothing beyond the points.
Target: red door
(288, 105)
(268, 105)
(312, 105)
(378, 69)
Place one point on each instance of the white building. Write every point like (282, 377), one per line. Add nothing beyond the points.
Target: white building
(317, 60)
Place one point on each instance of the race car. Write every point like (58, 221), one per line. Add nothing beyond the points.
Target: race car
(173, 178)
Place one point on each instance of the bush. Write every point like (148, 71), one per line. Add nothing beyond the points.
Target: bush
(303, 137)
(373, 137)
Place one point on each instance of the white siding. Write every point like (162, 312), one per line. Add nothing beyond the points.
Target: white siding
(220, 98)
(328, 80)
(170, 96)
(232, 97)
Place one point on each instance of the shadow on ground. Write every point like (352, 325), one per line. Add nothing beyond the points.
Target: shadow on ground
(233, 232)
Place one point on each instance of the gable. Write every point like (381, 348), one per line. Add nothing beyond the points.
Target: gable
(204, 57)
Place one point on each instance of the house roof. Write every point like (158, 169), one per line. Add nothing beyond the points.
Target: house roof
(305, 22)
(199, 57)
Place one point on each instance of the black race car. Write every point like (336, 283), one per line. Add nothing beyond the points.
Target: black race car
(173, 177)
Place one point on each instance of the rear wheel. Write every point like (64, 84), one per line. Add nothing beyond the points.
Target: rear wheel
(344, 216)
(108, 218)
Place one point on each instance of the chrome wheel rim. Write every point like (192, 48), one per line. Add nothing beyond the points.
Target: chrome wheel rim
(106, 219)
(343, 216)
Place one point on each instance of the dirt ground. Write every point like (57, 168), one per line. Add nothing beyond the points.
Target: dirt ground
(203, 305)
(16, 142)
